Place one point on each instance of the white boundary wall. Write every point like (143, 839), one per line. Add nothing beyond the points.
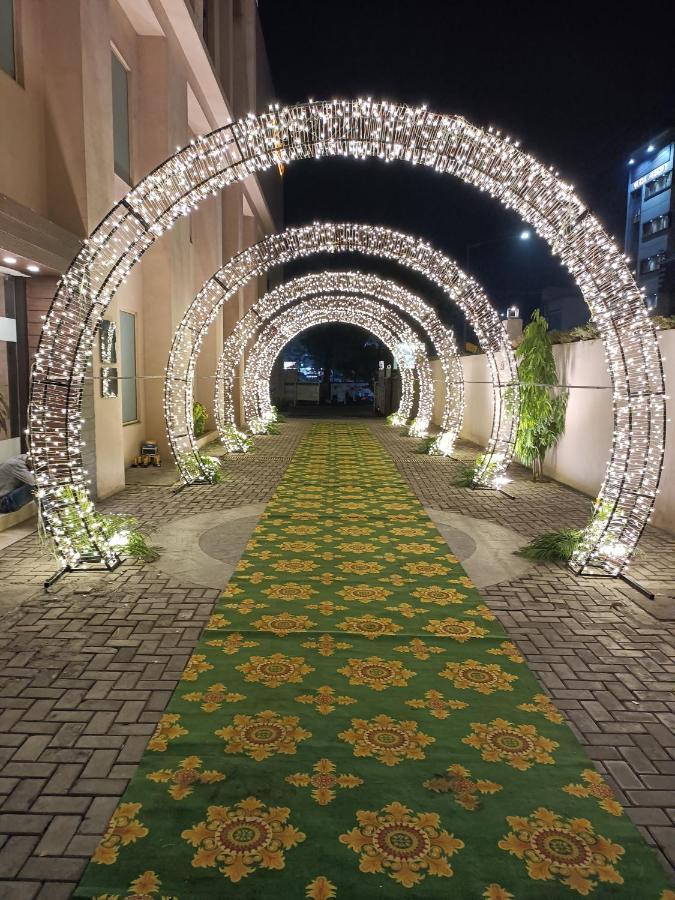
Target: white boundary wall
(580, 457)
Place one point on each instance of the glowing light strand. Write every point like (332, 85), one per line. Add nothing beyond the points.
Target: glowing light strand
(374, 317)
(362, 128)
(351, 282)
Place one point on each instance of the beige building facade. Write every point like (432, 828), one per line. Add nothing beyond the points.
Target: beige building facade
(94, 94)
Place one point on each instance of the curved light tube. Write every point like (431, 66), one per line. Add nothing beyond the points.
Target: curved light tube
(356, 128)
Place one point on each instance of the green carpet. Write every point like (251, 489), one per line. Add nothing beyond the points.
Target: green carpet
(354, 723)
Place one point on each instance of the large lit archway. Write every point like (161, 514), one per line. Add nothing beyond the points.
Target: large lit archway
(367, 240)
(346, 283)
(356, 128)
(406, 348)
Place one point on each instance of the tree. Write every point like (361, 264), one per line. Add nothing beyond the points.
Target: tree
(542, 404)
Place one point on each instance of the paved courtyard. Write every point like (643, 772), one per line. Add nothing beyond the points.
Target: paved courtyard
(89, 667)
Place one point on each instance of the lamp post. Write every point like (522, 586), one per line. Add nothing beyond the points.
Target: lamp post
(523, 235)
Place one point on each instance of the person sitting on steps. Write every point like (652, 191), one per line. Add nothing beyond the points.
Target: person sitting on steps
(17, 483)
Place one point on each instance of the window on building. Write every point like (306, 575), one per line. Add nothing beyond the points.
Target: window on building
(658, 184)
(128, 366)
(120, 111)
(651, 263)
(656, 226)
(7, 48)
(651, 301)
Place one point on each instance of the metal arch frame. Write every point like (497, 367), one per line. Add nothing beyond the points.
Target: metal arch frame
(357, 128)
(388, 326)
(349, 282)
(368, 240)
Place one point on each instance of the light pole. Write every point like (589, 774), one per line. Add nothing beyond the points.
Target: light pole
(523, 235)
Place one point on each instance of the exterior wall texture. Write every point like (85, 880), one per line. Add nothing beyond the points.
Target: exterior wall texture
(580, 457)
(57, 176)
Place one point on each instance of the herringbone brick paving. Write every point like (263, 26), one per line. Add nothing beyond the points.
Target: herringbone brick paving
(88, 668)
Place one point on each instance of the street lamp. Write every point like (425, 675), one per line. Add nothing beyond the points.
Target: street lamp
(524, 235)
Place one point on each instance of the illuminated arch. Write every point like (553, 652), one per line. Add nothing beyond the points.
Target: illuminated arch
(407, 349)
(368, 240)
(354, 283)
(357, 128)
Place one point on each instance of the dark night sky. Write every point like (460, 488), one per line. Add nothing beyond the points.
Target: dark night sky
(580, 85)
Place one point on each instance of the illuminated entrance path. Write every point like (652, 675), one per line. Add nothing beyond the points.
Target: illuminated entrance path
(354, 723)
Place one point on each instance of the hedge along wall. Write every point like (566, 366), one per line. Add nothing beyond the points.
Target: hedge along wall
(581, 455)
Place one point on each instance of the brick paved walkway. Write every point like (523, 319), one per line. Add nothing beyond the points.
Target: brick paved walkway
(88, 668)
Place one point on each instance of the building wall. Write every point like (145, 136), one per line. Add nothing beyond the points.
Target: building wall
(57, 171)
(580, 457)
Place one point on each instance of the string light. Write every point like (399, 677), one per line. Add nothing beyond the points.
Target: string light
(352, 282)
(386, 325)
(359, 129)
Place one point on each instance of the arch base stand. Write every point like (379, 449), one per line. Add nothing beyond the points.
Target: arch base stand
(92, 563)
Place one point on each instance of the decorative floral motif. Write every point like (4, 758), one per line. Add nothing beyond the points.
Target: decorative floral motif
(123, 829)
(298, 546)
(326, 607)
(597, 788)
(357, 547)
(368, 626)
(289, 590)
(407, 846)
(232, 590)
(213, 698)
(242, 838)
(364, 593)
(509, 650)
(482, 611)
(324, 781)
(360, 567)
(168, 729)
(389, 740)
(196, 666)
(377, 673)
(406, 610)
(325, 700)
(455, 629)
(437, 705)
(484, 678)
(321, 889)
(302, 529)
(465, 581)
(294, 565)
(419, 649)
(326, 645)
(408, 531)
(441, 596)
(355, 530)
(541, 703)
(232, 644)
(263, 735)
(141, 888)
(427, 569)
(217, 621)
(282, 624)
(520, 746)
(497, 892)
(183, 778)
(418, 549)
(465, 790)
(275, 670)
(246, 607)
(566, 850)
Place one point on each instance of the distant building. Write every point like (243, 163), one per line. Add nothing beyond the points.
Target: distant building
(563, 308)
(649, 213)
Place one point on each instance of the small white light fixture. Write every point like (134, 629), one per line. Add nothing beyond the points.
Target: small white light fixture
(631, 161)
(651, 148)
(10, 260)
(33, 268)
(525, 235)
